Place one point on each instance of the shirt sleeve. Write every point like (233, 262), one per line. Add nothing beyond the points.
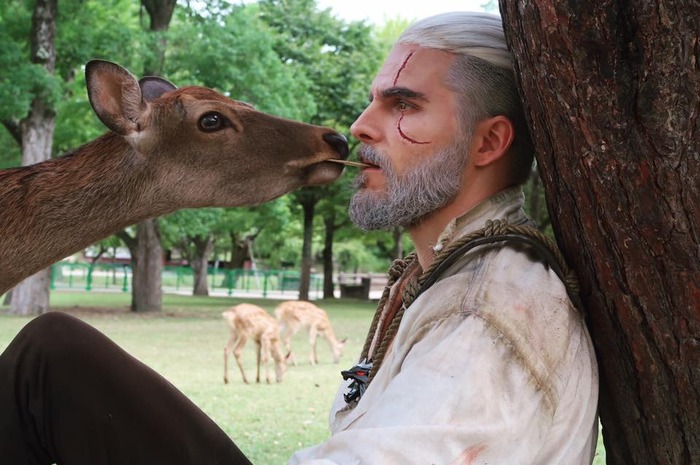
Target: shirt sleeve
(457, 395)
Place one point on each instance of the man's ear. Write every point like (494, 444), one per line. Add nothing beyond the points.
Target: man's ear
(491, 140)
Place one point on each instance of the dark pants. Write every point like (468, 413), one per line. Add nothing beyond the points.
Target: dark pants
(69, 395)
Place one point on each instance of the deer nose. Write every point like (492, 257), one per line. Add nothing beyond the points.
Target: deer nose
(339, 143)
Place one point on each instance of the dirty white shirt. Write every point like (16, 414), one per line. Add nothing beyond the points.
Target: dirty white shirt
(491, 365)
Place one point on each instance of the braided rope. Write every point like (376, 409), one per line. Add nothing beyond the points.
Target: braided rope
(386, 340)
(496, 229)
(394, 273)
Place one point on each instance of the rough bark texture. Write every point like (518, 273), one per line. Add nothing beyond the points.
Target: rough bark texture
(308, 201)
(147, 292)
(160, 12)
(613, 94)
(328, 284)
(31, 296)
(203, 246)
(146, 267)
(240, 251)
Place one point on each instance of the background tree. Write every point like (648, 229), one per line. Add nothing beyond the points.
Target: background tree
(35, 131)
(145, 247)
(256, 234)
(612, 93)
(334, 213)
(340, 60)
(48, 87)
(191, 232)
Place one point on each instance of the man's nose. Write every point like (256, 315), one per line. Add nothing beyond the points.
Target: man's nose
(364, 128)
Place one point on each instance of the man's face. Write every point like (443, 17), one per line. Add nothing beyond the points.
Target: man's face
(410, 130)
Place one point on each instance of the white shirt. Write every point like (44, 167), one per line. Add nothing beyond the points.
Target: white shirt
(490, 365)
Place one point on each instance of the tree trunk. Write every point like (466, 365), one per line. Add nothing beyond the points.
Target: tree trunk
(147, 269)
(240, 252)
(147, 258)
(160, 12)
(31, 296)
(308, 205)
(328, 285)
(200, 263)
(612, 91)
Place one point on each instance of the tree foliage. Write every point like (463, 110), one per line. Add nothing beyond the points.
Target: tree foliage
(286, 58)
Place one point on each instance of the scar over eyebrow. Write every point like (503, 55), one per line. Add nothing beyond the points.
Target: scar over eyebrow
(397, 91)
(403, 65)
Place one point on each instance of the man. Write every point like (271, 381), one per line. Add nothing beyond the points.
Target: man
(492, 363)
(481, 358)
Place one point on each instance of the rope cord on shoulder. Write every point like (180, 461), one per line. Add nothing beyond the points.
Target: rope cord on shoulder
(395, 271)
(501, 231)
(494, 231)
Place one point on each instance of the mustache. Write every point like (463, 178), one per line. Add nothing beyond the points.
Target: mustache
(369, 155)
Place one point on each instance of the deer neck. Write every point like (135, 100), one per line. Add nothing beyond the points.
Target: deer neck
(63, 205)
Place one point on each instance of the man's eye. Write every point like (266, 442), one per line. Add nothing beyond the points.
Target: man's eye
(210, 122)
(403, 105)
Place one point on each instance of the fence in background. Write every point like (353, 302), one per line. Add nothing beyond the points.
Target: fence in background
(103, 276)
(180, 279)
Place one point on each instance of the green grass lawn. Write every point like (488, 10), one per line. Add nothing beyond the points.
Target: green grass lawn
(185, 344)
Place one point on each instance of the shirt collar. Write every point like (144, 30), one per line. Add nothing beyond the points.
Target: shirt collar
(504, 205)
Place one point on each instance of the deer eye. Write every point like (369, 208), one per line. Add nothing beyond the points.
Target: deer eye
(213, 121)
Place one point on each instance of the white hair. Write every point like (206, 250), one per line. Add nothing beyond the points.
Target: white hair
(465, 33)
(482, 74)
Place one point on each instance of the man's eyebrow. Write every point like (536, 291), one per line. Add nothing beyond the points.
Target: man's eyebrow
(402, 92)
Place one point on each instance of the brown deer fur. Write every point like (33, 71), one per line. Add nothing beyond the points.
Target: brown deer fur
(248, 321)
(294, 315)
(168, 149)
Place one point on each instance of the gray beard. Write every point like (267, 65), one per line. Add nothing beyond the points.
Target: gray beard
(412, 196)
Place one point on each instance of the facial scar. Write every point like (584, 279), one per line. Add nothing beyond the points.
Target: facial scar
(413, 141)
(398, 124)
(401, 68)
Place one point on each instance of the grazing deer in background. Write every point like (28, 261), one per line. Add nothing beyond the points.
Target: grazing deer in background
(294, 315)
(168, 149)
(248, 321)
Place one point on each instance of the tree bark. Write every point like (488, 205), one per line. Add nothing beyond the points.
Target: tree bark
(328, 284)
(160, 12)
(240, 251)
(200, 263)
(308, 201)
(31, 296)
(612, 91)
(146, 269)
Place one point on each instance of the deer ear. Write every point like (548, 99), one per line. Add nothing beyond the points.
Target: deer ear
(153, 87)
(115, 96)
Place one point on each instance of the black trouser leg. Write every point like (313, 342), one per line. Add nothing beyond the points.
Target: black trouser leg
(70, 395)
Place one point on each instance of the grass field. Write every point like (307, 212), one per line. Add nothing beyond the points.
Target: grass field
(185, 344)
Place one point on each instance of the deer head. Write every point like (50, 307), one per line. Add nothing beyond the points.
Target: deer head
(208, 149)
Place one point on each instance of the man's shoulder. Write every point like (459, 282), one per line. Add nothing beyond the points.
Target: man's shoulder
(521, 301)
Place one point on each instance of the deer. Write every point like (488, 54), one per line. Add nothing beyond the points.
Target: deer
(294, 315)
(167, 148)
(248, 321)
